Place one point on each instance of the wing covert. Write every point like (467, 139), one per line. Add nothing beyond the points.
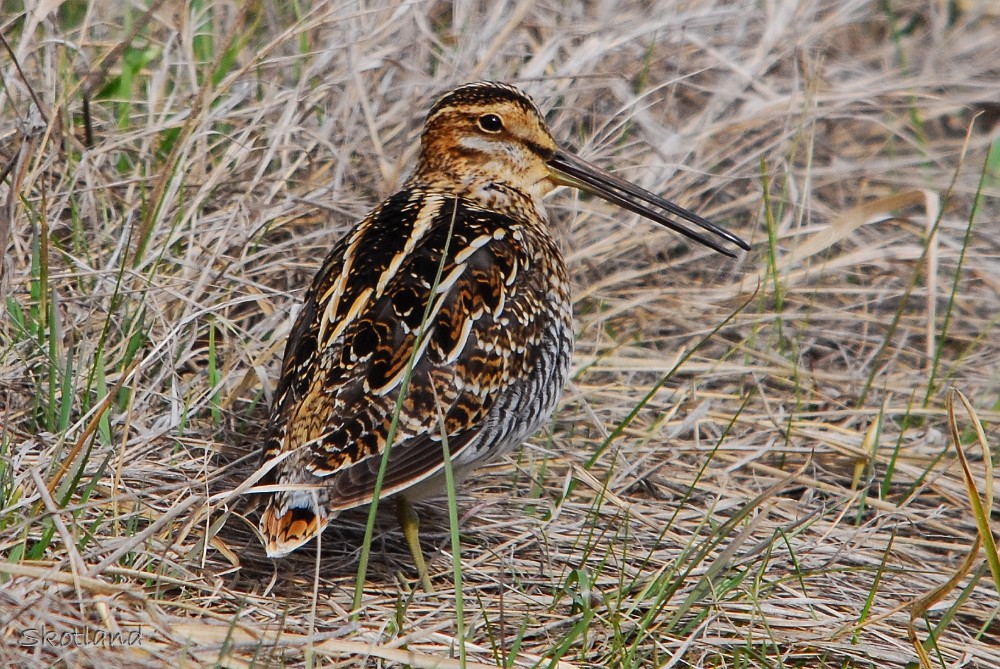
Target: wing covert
(355, 339)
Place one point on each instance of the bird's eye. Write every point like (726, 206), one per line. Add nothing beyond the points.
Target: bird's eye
(490, 123)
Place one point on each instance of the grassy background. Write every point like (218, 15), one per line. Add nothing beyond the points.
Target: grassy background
(755, 464)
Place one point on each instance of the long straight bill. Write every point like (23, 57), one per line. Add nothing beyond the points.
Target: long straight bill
(569, 170)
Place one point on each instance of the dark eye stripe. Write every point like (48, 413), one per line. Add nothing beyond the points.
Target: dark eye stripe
(540, 151)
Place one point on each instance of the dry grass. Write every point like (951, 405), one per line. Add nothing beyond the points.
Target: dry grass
(753, 465)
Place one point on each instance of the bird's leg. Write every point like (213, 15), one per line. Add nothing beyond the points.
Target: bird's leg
(410, 524)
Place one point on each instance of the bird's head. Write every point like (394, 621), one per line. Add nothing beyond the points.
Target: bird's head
(487, 133)
(488, 138)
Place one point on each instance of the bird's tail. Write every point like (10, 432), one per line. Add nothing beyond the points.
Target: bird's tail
(289, 521)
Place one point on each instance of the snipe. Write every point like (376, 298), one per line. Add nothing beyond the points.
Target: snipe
(449, 301)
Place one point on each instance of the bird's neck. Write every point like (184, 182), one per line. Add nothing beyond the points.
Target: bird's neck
(487, 193)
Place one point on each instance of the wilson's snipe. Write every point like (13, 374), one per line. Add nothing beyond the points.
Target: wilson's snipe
(451, 294)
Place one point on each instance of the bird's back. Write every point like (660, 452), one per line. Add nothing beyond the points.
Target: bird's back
(470, 304)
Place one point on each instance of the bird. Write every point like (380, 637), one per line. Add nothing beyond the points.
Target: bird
(442, 322)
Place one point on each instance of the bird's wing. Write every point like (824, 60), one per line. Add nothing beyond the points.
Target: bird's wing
(386, 306)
